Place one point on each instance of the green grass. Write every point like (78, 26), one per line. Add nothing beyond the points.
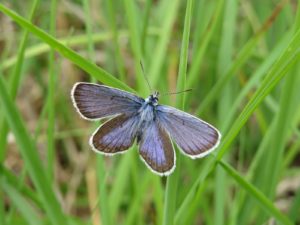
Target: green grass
(52, 83)
(173, 180)
(241, 58)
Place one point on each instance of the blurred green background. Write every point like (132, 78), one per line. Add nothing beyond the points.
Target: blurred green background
(241, 58)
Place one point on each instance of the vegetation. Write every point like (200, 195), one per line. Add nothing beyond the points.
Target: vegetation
(241, 58)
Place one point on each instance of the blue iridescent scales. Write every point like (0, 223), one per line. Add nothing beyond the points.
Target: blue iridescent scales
(152, 125)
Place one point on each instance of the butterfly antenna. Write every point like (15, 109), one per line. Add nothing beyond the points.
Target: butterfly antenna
(178, 92)
(146, 78)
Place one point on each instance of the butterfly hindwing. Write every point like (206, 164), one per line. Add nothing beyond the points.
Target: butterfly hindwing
(156, 149)
(116, 135)
(195, 137)
(95, 101)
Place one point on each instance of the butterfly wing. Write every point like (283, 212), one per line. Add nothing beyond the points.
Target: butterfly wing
(156, 149)
(116, 135)
(195, 137)
(94, 101)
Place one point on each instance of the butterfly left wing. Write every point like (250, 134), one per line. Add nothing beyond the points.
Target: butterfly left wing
(94, 101)
(116, 135)
(156, 149)
(195, 137)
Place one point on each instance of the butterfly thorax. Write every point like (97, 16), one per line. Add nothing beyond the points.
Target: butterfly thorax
(152, 99)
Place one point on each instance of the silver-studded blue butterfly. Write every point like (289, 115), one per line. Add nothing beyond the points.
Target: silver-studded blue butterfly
(144, 120)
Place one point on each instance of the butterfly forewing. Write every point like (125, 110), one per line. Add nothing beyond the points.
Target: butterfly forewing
(156, 149)
(95, 101)
(116, 135)
(195, 137)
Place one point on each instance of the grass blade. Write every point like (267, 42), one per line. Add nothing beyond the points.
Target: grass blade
(27, 211)
(160, 50)
(225, 55)
(172, 181)
(277, 72)
(135, 41)
(266, 204)
(240, 60)
(30, 155)
(74, 41)
(14, 82)
(86, 65)
(52, 83)
(111, 10)
(208, 34)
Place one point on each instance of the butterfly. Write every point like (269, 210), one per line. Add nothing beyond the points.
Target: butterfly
(152, 126)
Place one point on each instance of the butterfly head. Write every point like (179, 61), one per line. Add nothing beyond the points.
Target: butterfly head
(153, 98)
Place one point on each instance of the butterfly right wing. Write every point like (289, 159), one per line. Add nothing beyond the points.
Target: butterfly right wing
(195, 137)
(94, 101)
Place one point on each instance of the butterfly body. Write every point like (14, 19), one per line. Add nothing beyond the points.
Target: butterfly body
(152, 125)
(147, 114)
